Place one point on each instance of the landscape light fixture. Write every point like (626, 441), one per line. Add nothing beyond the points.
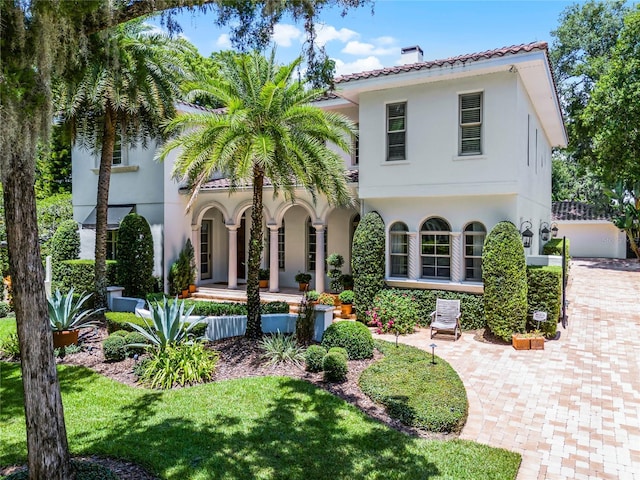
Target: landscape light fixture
(527, 234)
(544, 231)
(554, 230)
(433, 353)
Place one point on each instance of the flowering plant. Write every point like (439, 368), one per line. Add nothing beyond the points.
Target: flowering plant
(393, 313)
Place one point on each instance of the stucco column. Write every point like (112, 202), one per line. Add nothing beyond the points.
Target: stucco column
(319, 257)
(273, 259)
(413, 256)
(457, 264)
(195, 241)
(232, 280)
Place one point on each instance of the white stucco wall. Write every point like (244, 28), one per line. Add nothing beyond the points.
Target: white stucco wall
(593, 239)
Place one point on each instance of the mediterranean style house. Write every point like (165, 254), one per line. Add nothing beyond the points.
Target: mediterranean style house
(446, 150)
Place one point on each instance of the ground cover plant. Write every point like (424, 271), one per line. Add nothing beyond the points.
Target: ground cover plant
(260, 427)
(416, 391)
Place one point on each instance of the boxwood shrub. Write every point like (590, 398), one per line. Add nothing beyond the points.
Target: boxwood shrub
(504, 273)
(544, 294)
(65, 243)
(313, 358)
(335, 367)
(135, 253)
(80, 274)
(368, 262)
(114, 348)
(354, 337)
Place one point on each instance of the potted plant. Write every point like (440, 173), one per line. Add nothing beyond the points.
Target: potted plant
(347, 281)
(67, 317)
(521, 341)
(263, 277)
(326, 299)
(335, 262)
(303, 280)
(346, 297)
(189, 253)
(312, 296)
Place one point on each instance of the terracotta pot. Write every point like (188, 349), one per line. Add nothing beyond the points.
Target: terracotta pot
(303, 287)
(192, 288)
(520, 343)
(65, 338)
(537, 343)
(263, 283)
(346, 309)
(336, 300)
(185, 293)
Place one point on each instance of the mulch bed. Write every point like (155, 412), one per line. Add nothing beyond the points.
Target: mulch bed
(239, 358)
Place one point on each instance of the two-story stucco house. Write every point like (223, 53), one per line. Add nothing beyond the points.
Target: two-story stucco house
(446, 150)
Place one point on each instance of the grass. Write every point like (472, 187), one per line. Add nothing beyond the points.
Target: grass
(416, 391)
(261, 428)
(7, 326)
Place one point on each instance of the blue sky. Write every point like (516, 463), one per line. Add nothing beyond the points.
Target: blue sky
(361, 41)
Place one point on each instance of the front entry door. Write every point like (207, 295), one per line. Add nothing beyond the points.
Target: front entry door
(242, 250)
(205, 249)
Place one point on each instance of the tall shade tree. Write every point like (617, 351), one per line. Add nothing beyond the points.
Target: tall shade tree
(41, 39)
(126, 91)
(612, 116)
(267, 129)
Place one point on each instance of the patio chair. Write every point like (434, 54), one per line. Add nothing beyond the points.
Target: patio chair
(446, 318)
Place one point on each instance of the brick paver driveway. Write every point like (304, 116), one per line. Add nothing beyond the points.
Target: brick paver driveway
(572, 410)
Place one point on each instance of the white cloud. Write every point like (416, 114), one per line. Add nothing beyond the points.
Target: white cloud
(223, 41)
(326, 33)
(386, 40)
(284, 34)
(361, 49)
(360, 65)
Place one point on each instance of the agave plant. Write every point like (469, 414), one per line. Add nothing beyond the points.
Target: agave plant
(168, 324)
(65, 313)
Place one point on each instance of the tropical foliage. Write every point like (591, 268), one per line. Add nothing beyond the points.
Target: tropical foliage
(625, 204)
(66, 313)
(267, 130)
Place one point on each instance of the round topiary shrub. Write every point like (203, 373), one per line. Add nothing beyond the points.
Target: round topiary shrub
(335, 367)
(339, 350)
(354, 337)
(313, 358)
(114, 348)
(135, 256)
(504, 273)
(65, 243)
(135, 338)
(367, 262)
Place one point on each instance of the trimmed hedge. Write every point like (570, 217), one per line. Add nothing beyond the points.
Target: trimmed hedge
(554, 247)
(120, 321)
(80, 274)
(368, 262)
(471, 306)
(221, 309)
(504, 273)
(135, 253)
(544, 294)
(354, 337)
(65, 243)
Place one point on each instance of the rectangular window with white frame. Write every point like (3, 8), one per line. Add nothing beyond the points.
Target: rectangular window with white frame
(117, 152)
(396, 131)
(355, 148)
(470, 141)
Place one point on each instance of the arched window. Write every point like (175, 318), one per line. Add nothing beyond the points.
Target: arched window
(435, 248)
(399, 249)
(311, 245)
(474, 235)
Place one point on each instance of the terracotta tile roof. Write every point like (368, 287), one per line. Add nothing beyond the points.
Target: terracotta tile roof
(224, 183)
(461, 59)
(569, 210)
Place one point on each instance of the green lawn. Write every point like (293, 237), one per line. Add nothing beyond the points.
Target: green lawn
(7, 326)
(259, 428)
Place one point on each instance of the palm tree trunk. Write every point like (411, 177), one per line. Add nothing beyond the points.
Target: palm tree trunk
(254, 321)
(102, 207)
(48, 451)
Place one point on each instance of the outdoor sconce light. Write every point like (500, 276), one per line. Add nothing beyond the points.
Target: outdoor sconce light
(527, 234)
(554, 230)
(544, 231)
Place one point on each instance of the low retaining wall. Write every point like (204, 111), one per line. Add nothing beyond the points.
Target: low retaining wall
(236, 325)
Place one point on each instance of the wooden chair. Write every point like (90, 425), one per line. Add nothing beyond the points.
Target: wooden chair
(446, 317)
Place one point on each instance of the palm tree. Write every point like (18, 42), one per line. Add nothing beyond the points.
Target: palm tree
(127, 89)
(268, 129)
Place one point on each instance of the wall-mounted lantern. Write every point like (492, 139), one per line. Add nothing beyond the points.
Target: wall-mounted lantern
(554, 230)
(544, 231)
(527, 234)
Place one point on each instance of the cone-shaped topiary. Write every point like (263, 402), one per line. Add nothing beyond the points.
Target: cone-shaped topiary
(504, 273)
(65, 243)
(367, 262)
(135, 256)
